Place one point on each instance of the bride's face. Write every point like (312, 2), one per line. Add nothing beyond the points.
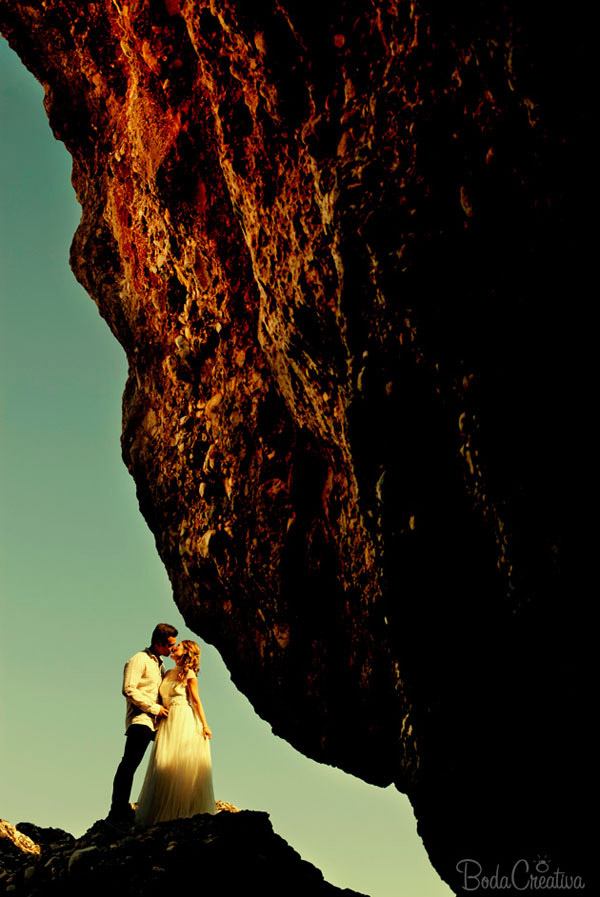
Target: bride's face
(177, 651)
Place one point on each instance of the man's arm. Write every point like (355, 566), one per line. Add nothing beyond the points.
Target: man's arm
(131, 679)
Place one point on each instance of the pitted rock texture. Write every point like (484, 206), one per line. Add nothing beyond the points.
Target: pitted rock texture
(336, 241)
(16, 848)
(226, 853)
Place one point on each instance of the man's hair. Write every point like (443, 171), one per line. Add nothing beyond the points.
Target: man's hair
(161, 633)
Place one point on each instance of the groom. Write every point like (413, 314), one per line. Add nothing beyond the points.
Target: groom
(142, 677)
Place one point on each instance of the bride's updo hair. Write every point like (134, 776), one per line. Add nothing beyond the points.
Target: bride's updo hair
(189, 660)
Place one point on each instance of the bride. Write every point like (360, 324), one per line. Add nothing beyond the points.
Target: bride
(178, 780)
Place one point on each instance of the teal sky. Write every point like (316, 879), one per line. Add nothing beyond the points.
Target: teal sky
(81, 583)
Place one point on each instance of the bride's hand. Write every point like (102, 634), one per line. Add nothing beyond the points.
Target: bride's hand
(207, 732)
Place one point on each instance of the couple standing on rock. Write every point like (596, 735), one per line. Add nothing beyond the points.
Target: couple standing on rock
(164, 707)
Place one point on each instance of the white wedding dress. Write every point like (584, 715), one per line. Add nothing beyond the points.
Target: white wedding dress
(178, 780)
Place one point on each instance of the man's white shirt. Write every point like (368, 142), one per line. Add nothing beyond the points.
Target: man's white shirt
(142, 676)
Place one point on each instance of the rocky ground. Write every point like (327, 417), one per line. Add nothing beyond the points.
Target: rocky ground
(230, 852)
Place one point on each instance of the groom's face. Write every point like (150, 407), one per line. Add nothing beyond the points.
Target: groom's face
(165, 649)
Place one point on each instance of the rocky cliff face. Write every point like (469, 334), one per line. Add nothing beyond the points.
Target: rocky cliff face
(342, 245)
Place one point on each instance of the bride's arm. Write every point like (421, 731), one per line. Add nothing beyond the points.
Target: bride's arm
(192, 685)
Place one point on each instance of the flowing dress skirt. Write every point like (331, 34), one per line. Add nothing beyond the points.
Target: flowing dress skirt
(178, 780)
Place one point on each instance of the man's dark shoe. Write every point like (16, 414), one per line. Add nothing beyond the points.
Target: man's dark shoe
(122, 825)
(121, 818)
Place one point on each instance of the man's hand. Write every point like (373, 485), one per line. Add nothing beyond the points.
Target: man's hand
(162, 712)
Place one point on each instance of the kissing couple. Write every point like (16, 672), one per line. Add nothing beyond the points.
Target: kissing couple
(164, 706)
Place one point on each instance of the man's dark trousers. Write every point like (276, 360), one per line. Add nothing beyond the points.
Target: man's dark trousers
(138, 737)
